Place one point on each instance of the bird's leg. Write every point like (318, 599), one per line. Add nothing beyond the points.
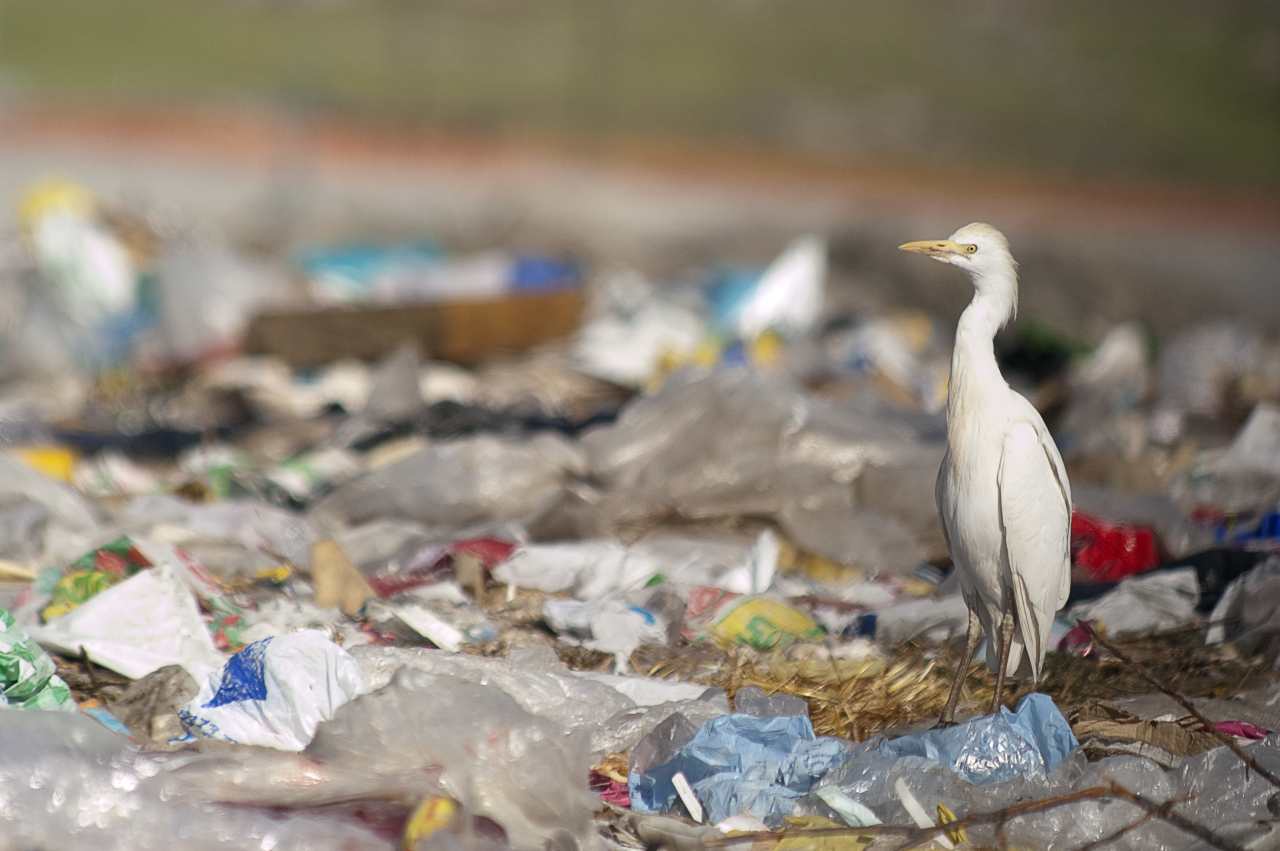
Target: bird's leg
(1006, 639)
(971, 639)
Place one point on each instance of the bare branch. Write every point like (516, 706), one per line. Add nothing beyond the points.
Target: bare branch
(1186, 704)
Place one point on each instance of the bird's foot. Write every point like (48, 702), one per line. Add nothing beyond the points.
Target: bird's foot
(943, 723)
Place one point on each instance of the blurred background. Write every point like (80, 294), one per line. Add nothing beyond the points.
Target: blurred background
(1130, 150)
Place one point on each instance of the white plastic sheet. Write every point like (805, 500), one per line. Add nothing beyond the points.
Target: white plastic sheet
(146, 622)
(275, 692)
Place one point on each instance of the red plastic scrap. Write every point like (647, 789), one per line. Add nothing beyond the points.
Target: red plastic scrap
(1079, 640)
(438, 564)
(1111, 551)
(610, 791)
(490, 551)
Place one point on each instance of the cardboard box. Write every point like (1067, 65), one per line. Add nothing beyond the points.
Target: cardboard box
(464, 332)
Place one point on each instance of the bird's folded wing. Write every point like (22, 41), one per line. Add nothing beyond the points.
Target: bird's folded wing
(1036, 519)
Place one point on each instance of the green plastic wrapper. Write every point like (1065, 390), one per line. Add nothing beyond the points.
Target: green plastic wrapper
(27, 673)
(93, 573)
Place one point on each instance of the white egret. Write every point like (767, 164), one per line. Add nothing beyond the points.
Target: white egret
(1002, 490)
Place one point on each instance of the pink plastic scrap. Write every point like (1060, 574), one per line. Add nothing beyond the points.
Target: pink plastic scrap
(1241, 730)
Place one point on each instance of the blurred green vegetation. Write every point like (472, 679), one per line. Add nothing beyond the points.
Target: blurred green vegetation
(1182, 90)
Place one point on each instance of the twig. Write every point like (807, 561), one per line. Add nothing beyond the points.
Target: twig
(1186, 704)
(915, 835)
(1112, 837)
(88, 669)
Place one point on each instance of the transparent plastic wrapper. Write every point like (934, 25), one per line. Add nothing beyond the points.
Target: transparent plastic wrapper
(255, 526)
(67, 509)
(22, 527)
(753, 700)
(610, 625)
(275, 692)
(523, 771)
(614, 711)
(461, 483)
(598, 567)
(736, 443)
(741, 764)
(1154, 602)
(1249, 611)
(1024, 746)
(68, 782)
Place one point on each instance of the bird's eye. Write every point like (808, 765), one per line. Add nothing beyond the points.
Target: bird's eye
(971, 249)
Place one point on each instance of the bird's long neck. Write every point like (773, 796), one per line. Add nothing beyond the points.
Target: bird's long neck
(974, 372)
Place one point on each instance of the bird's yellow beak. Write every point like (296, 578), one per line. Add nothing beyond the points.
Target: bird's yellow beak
(933, 247)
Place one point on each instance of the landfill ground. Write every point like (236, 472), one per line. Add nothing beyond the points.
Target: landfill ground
(456, 515)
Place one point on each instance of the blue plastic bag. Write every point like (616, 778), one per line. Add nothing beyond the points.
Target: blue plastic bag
(995, 748)
(742, 764)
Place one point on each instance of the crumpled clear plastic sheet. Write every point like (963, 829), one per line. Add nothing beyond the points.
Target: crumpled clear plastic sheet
(461, 483)
(753, 700)
(1024, 745)
(741, 764)
(1249, 611)
(594, 568)
(612, 711)
(1159, 600)
(68, 782)
(1225, 797)
(525, 772)
(737, 443)
(255, 526)
(22, 526)
(1243, 477)
(66, 507)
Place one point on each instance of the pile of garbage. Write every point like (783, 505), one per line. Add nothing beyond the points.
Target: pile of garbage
(658, 568)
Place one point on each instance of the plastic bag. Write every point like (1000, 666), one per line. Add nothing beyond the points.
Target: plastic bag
(1111, 551)
(255, 526)
(614, 711)
(70, 783)
(146, 622)
(788, 296)
(1031, 741)
(27, 673)
(735, 444)
(741, 764)
(1155, 602)
(496, 758)
(275, 692)
(461, 483)
(1248, 611)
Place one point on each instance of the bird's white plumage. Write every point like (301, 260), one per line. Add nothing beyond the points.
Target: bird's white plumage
(1002, 491)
